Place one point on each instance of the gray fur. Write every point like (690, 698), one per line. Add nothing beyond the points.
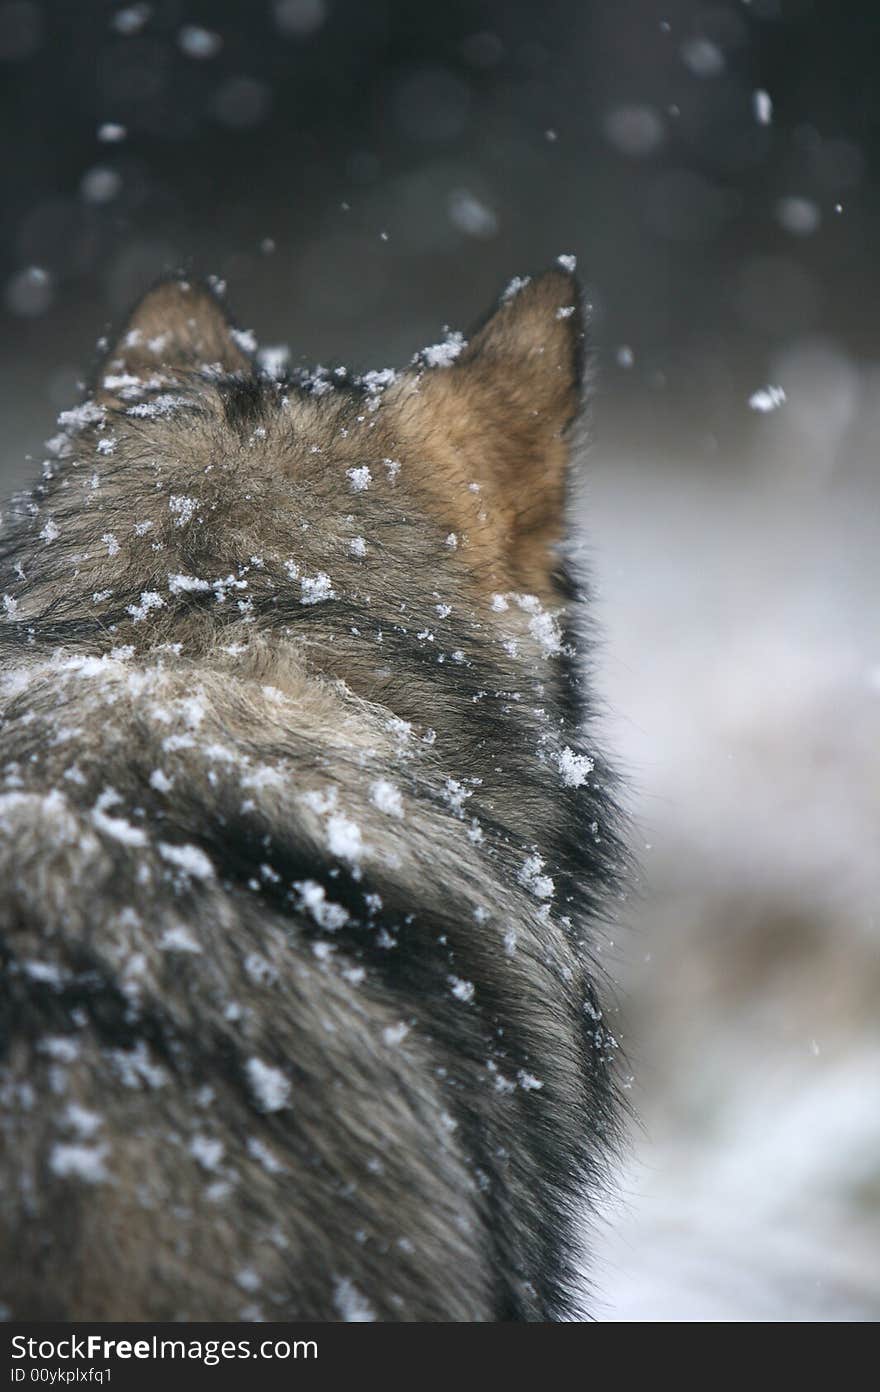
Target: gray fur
(301, 845)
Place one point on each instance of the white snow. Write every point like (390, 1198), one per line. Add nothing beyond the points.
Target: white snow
(387, 798)
(316, 588)
(703, 56)
(199, 43)
(150, 600)
(135, 1067)
(81, 1120)
(183, 508)
(360, 478)
(178, 938)
(48, 972)
(574, 768)
(395, 1034)
(207, 1151)
(545, 629)
(245, 340)
(266, 1157)
(187, 584)
(132, 19)
(119, 828)
(188, 858)
(751, 753)
(344, 838)
(270, 1088)
(274, 360)
(445, 353)
(531, 876)
(456, 794)
(79, 1162)
(165, 404)
(351, 1305)
(59, 1047)
(260, 970)
(514, 287)
(462, 990)
(78, 418)
(313, 898)
(767, 399)
(379, 380)
(798, 215)
(528, 1082)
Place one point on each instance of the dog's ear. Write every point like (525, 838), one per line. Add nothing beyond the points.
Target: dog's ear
(528, 354)
(178, 327)
(496, 421)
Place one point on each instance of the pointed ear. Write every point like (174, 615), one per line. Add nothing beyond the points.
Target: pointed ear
(498, 417)
(177, 328)
(530, 350)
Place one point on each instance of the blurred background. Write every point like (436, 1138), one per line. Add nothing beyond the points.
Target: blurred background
(363, 172)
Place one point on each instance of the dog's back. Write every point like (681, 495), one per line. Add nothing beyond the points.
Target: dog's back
(300, 842)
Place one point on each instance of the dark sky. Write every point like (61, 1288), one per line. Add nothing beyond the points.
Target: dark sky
(362, 172)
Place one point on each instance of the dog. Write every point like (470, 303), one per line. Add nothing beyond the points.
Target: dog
(304, 837)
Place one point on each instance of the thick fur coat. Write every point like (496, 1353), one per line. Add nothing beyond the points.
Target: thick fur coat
(303, 837)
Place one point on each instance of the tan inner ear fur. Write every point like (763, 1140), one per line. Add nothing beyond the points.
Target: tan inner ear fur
(486, 438)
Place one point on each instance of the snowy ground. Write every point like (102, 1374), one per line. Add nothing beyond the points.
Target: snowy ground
(742, 676)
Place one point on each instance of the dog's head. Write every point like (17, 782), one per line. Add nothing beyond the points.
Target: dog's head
(381, 526)
(474, 436)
